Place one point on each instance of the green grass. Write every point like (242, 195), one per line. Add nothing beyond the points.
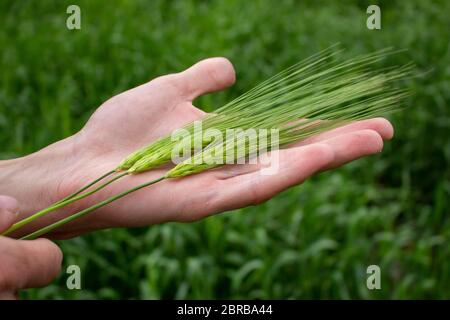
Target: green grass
(313, 241)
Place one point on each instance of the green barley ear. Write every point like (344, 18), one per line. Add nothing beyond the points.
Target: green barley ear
(248, 100)
(131, 159)
(155, 155)
(309, 81)
(342, 105)
(159, 152)
(151, 160)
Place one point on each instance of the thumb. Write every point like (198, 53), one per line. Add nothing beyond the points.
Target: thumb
(9, 208)
(206, 76)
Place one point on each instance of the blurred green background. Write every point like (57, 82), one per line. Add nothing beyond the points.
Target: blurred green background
(312, 241)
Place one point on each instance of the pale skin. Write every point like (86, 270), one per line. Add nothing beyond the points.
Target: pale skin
(137, 117)
(24, 264)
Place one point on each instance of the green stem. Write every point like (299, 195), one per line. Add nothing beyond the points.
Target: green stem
(59, 205)
(77, 215)
(86, 187)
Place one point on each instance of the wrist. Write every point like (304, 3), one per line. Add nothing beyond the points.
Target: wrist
(20, 179)
(35, 180)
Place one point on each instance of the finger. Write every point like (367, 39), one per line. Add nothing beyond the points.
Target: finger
(354, 145)
(382, 126)
(27, 264)
(9, 209)
(294, 166)
(204, 77)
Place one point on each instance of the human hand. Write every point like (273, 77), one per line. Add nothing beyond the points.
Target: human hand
(24, 264)
(139, 116)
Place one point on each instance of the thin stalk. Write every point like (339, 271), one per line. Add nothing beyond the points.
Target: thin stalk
(59, 205)
(86, 187)
(77, 215)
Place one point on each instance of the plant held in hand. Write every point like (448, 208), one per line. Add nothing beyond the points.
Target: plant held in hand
(311, 97)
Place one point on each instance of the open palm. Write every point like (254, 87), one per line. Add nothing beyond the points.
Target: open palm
(137, 117)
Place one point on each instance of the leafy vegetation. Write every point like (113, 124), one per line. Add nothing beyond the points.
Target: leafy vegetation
(312, 241)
